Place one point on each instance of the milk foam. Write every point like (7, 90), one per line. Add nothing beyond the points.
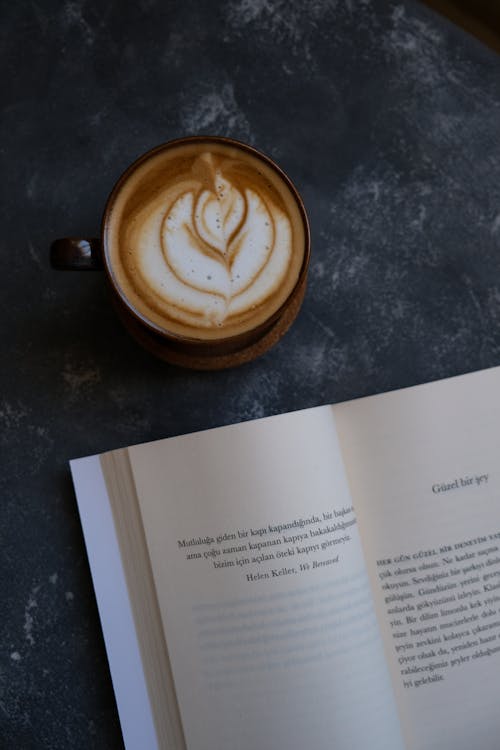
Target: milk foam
(212, 251)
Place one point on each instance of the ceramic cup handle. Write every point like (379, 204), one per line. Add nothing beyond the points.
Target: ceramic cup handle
(76, 254)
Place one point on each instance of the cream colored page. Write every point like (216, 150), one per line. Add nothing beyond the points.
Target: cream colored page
(262, 588)
(424, 471)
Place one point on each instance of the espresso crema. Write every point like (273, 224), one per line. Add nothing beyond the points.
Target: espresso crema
(205, 240)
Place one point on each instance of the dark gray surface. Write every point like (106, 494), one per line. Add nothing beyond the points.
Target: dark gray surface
(386, 118)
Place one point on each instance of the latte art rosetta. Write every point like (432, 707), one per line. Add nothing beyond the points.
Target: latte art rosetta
(219, 252)
(210, 252)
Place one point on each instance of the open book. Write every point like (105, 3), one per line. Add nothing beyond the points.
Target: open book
(328, 578)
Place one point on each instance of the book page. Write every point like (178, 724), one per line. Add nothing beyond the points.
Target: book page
(262, 589)
(424, 471)
(117, 621)
(122, 499)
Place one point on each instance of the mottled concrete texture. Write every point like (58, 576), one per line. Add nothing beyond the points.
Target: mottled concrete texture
(387, 119)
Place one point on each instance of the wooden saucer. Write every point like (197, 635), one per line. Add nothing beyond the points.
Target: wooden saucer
(161, 347)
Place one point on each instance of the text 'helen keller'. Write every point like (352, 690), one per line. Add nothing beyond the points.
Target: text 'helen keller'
(288, 548)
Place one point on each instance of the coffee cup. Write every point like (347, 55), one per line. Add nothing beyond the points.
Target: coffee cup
(205, 246)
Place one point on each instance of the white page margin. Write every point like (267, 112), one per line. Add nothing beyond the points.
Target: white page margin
(113, 603)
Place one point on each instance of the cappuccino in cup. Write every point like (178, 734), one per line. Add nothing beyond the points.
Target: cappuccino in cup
(206, 246)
